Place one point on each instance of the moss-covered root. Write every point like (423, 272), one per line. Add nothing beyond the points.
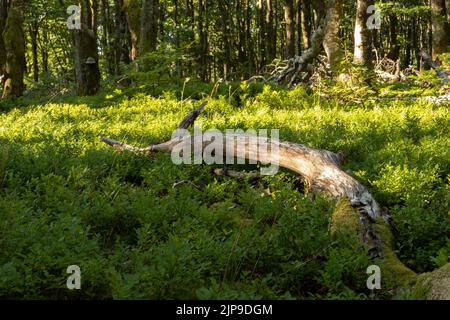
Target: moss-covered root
(433, 285)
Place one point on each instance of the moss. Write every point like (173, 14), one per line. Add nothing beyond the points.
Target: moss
(433, 285)
(345, 218)
(396, 274)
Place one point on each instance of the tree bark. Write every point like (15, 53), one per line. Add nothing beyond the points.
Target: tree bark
(203, 42)
(271, 33)
(85, 52)
(306, 23)
(34, 31)
(331, 41)
(290, 28)
(439, 27)
(14, 39)
(149, 26)
(363, 41)
(262, 35)
(133, 15)
(3, 17)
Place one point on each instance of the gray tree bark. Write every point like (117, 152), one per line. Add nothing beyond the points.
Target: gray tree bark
(363, 38)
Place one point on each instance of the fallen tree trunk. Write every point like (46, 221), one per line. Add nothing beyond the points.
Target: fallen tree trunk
(321, 170)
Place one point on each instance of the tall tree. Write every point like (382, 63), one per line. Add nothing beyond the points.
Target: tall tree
(262, 34)
(149, 26)
(15, 50)
(290, 28)
(270, 32)
(305, 17)
(203, 41)
(331, 41)
(363, 42)
(87, 68)
(3, 17)
(439, 27)
(133, 13)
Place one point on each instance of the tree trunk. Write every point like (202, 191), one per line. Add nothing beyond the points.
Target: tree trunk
(14, 39)
(262, 35)
(439, 27)
(42, 44)
(331, 41)
(225, 19)
(133, 15)
(363, 41)
(271, 33)
(394, 52)
(290, 28)
(306, 23)
(34, 31)
(85, 52)
(203, 42)
(3, 17)
(149, 26)
(122, 37)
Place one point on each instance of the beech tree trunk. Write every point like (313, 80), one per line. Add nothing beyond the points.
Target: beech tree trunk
(34, 31)
(14, 40)
(149, 26)
(3, 17)
(85, 52)
(203, 41)
(363, 42)
(439, 27)
(133, 15)
(290, 28)
(331, 41)
(271, 34)
(306, 23)
(262, 35)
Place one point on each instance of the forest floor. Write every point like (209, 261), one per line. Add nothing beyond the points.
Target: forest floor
(66, 198)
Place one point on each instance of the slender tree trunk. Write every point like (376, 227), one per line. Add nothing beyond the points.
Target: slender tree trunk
(149, 26)
(203, 42)
(290, 28)
(85, 52)
(224, 8)
(248, 39)
(14, 39)
(122, 39)
(394, 52)
(331, 41)
(3, 17)
(439, 27)
(34, 31)
(262, 35)
(363, 42)
(133, 15)
(271, 34)
(43, 46)
(306, 23)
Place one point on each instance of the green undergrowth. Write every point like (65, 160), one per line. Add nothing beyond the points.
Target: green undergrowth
(68, 199)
